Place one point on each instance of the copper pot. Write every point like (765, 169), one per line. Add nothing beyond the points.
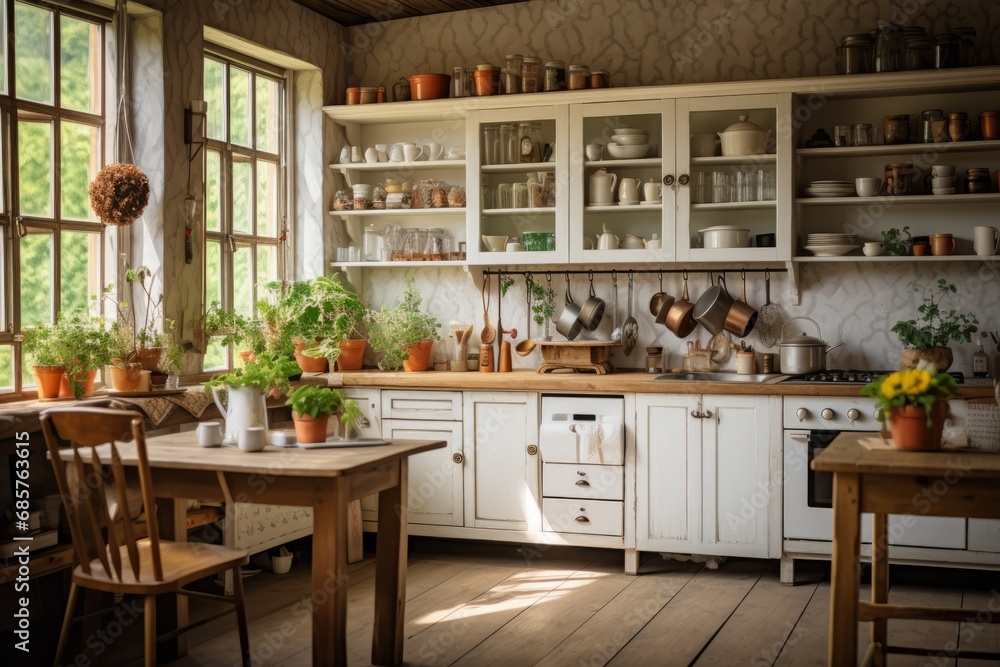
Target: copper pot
(680, 318)
(741, 317)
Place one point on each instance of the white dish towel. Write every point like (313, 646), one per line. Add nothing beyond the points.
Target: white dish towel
(593, 435)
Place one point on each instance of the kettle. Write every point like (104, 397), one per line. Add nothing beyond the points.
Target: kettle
(607, 240)
(602, 187)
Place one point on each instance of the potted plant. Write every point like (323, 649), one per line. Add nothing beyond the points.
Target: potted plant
(245, 391)
(125, 371)
(894, 241)
(926, 338)
(36, 344)
(544, 307)
(80, 343)
(149, 345)
(244, 335)
(311, 410)
(915, 402)
(403, 334)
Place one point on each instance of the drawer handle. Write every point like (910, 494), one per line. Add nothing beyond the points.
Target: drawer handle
(457, 457)
(582, 519)
(582, 482)
(532, 450)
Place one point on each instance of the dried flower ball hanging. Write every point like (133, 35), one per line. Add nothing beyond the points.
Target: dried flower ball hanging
(119, 194)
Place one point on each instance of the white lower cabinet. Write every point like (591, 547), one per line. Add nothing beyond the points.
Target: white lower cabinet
(502, 462)
(703, 474)
(984, 535)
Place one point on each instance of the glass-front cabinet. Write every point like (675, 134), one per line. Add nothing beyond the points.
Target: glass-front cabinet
(734, 165)
(518, 195)
(621, 155)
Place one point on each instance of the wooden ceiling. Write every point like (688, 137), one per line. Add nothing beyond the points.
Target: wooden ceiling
(359, 12)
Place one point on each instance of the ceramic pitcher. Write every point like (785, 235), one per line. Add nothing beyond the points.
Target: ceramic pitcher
(653, 191)
(602, 187)
(246, 407)
(628, 191)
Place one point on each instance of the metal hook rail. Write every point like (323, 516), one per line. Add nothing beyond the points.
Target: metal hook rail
(615, 272)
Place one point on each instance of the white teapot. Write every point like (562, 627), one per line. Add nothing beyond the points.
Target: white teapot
(632, 242)
(602, 187)
(607, 240)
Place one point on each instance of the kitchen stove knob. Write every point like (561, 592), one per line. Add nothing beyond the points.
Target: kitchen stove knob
(854, 415)
(532, 450)
(802, 414)
(827, 414)
(457, 457)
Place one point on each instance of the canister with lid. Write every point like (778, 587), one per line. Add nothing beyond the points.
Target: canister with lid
(599, 78)
(555, 76)
(531, 75)
(512, 72)
(578, 77)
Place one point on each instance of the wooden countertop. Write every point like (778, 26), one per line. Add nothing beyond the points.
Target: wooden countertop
(636, 382)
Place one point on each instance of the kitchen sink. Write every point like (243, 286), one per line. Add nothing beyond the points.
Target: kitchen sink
(757, 378)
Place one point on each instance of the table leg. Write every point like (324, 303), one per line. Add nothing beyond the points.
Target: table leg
(329, 578)
(171, 610)
(880, 584)
(844, 585)
(390, 573)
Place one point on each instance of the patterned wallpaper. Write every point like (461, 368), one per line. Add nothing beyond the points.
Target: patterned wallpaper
(647, 42)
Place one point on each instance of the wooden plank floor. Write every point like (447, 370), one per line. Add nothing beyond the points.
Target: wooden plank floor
(496, 604)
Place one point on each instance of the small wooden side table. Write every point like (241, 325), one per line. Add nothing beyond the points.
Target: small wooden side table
(869, 475)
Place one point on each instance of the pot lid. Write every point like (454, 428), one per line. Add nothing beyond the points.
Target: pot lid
(723, 228)
(802, 340)
(744, 125)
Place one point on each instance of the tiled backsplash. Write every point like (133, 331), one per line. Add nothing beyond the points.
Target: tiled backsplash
(854, 304)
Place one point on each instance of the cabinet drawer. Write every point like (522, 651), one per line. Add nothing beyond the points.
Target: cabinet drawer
(590, 517)
(568, 480)
(439, 405)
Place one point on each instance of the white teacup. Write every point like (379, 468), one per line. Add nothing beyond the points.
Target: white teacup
(986, 240)
(412, 152)
(867, 187)
(252, 438)
(209, 434)
(371, 155)
(943, 171)
(943, 182)
(434, 150)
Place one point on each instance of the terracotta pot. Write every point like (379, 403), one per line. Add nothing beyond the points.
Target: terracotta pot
(910, 430)
(48, 379)
(247, 355)
(66, 391)
(418, 357)
(352, 354)
(306, 363)
(941, 357)
(309, 429)
(126, 379)
(149, 357)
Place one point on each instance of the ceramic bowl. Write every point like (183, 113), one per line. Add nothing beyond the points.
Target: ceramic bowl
(872, 249)
(628, 130)
(630, 139)
(944, 191)
(495, 243)
(430, 86)
(627, 152)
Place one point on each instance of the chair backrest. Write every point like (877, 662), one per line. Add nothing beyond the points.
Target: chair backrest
(91, 525)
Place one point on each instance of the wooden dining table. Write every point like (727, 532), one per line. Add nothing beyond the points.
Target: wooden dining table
(870, 475)
(325, 480)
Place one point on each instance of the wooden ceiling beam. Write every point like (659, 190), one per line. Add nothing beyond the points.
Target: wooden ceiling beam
(372, 11)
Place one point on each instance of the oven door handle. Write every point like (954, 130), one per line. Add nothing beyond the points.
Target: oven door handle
(799, 436)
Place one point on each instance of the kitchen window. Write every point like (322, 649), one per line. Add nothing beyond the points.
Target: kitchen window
(52, 124)
(245, 186)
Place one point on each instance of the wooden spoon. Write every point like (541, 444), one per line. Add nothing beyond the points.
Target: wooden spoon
(488, 334)
(526, 346)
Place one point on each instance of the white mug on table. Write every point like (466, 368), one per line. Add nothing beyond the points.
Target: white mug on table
(986, 240)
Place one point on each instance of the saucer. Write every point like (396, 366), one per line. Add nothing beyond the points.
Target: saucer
(628, 202)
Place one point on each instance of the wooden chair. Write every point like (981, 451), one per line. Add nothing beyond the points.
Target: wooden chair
(116, 561)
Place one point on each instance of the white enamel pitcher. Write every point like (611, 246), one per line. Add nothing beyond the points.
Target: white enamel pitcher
(246, 407)
(602, 187)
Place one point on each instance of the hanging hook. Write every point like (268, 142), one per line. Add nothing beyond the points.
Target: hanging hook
(548, 277)
(614, 277)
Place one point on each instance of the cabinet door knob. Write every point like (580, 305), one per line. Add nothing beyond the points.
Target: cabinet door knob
(532, 450)
(668, 179)
(683, 179)
(582, 519)
(582, 482)
(457, 457)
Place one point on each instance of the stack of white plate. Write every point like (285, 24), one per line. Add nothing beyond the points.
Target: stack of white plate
(831, 245)
(830, 189)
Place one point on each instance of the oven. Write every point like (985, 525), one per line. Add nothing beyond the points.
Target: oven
(811, 423)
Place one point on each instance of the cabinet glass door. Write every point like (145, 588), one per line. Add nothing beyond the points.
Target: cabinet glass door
(518, 194)
(621, 154)
(734, 159)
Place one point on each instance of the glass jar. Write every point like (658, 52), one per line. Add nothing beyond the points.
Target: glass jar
(890, 49)
(966, 37)
(861, 134)
(529, 142)
(577, 77)
(435, 245)
(492, 146)
(977, 180)
(927, 118)
(555, 76)
(531, 75)
(947, 49)
(512, 69)
(362, 196)
(509, 151)
(919, 54)
(599, 78)
(371, 243)
(378, 197)
(856, 54)
(487, 80)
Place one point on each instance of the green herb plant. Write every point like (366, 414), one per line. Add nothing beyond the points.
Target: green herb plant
(234, 330)
(893, 241)
(935, 327)
(77, 342)
(394, 331)
(544, 306)
(310, 400)
(267, 372)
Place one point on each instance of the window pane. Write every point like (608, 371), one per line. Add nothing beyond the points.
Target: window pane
(80, 65)
(216, 356)
(268, 189)
(213, 191)
(268, 113)
(239, 106)
(35, 167)
(33, 60)
(267, 264)
(3, 47)
(80, 260)
(80, 161)
(215, 96)
(36, 279)
(213, 272)
(242, 196)
(6, 368)
(243, 280)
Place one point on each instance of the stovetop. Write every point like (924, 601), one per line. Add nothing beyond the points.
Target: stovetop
(850, 377)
